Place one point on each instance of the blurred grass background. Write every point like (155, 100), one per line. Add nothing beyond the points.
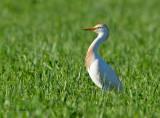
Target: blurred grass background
(42, 52)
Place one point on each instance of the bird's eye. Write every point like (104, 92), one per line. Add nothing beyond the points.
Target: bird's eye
(99, 27)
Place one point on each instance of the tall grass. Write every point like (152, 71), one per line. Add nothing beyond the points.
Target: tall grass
(42, 51)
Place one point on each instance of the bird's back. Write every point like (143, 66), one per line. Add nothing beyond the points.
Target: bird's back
(103, 75)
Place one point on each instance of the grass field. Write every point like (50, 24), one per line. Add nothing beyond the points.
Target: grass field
(42, 52)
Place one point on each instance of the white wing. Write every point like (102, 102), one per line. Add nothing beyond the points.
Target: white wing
(101, 72)
(111, 78)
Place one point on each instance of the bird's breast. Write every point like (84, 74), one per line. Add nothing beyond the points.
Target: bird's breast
(89, 57)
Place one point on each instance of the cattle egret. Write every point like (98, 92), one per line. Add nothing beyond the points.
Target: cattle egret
(100, 72)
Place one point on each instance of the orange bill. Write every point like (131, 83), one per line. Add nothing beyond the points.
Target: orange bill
(91, 28)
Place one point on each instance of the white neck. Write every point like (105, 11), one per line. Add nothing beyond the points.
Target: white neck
(100, 38)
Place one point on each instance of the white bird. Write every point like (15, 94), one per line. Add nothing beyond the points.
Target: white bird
(100, 72)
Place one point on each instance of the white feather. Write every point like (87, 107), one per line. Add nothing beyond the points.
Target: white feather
(100, 72)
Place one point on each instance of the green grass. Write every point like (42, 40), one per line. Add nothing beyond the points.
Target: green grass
(42, 52)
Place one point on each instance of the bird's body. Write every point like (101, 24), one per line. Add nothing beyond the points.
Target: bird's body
(100, 72)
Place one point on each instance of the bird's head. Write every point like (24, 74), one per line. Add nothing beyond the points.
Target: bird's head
(99, 28)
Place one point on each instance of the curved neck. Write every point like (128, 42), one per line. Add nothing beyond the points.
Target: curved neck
(95, 44)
